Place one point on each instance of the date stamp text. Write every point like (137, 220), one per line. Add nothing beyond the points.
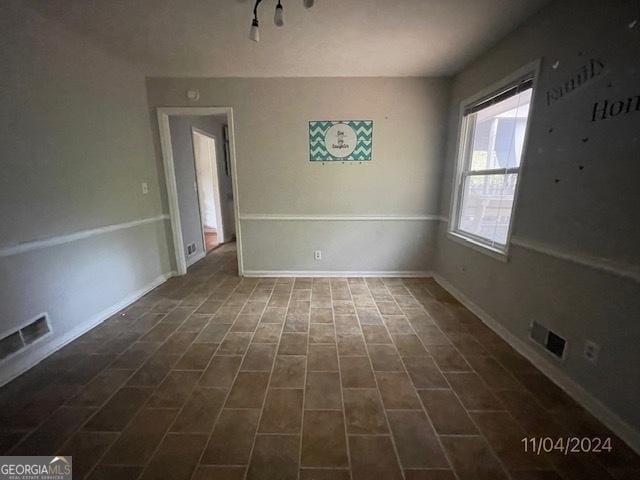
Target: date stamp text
(566, 445)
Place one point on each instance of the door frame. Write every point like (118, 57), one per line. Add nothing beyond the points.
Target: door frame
(163, 114)
(216, 191)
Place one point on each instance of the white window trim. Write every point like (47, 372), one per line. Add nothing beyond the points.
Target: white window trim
(532, 69)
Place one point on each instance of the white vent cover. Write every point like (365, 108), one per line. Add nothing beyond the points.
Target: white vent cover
(21, 338)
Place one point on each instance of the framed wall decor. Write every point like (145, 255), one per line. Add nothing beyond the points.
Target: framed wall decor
(340, 140)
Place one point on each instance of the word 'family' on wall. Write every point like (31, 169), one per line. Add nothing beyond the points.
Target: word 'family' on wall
(588, 71)
(605, 109)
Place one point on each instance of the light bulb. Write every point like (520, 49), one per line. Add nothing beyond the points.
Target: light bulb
(254, 33)
(308, 3)
(278, 18)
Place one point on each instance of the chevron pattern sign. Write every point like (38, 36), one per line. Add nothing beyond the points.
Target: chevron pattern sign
(340, 140)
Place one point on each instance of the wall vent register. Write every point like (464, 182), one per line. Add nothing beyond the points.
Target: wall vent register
(549, 340)
(16, 341)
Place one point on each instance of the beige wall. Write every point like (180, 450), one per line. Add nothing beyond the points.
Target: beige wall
(75, 145)
(567, 217)
(275, 176)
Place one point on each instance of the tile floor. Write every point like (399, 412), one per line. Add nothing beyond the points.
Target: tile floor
(212, 376)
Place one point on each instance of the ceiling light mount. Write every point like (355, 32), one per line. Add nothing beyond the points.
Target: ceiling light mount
(278, 17)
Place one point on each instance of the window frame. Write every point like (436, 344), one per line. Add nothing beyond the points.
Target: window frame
(465, 137)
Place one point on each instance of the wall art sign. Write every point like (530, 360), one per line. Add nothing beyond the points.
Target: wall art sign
(605, 109)
(593, 68)
(340, 140)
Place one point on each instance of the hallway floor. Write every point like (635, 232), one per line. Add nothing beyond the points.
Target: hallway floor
(212, 376)
(210, 239)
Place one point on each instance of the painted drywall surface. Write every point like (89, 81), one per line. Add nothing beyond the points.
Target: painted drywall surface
(346, 246)
(76, 137)
(75, 281)
(76, 144)
(578, 194)
(182, 144)
(273, 169)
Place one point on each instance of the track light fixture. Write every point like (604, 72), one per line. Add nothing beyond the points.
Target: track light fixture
(278, 17)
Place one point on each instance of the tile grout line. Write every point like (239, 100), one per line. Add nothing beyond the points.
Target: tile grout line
(375, 378)
(266, 393)
(344, 406)
(31, 431)
(306, 372)
(424, 409)
(97, 463)
(480, 433)
(124, 385)
(196, 385)
(205, 282)
(228, 393)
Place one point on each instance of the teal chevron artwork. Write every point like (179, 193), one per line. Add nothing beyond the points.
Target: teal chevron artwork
(340, 140)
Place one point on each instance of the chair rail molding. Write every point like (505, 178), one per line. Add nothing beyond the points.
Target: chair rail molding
(31, 245)
(337, 217)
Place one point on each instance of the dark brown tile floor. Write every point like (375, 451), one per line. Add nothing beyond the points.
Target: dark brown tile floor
(212, 376)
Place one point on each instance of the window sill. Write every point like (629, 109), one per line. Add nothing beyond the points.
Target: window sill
(478, 246)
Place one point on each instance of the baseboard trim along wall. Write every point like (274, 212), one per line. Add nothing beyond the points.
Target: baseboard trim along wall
(339, 218)
(330, 273)
(24, 360)
(72, 237)
(573, 389)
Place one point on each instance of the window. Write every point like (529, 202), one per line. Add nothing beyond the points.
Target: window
(491, 146)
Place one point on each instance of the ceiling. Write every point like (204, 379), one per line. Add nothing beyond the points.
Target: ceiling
(334, 38)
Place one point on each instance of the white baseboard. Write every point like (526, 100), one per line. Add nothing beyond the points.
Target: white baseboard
(331, 273)
(32, 355)
(573, 389)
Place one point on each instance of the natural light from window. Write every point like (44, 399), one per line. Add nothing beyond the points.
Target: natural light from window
(494, 132)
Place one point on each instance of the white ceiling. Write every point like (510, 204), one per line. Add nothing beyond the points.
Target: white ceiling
(334, 38)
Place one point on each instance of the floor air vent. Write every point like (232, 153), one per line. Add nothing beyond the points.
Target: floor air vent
(16, 341)
(549, 340)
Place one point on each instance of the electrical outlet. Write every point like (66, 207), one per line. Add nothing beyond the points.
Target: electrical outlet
(591, 351)
(145, 188)
(317, 255)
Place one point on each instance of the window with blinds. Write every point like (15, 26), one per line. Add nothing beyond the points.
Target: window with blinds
(490, 154)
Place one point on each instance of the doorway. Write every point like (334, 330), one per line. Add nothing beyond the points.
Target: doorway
(208, 188)
(196, 206)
